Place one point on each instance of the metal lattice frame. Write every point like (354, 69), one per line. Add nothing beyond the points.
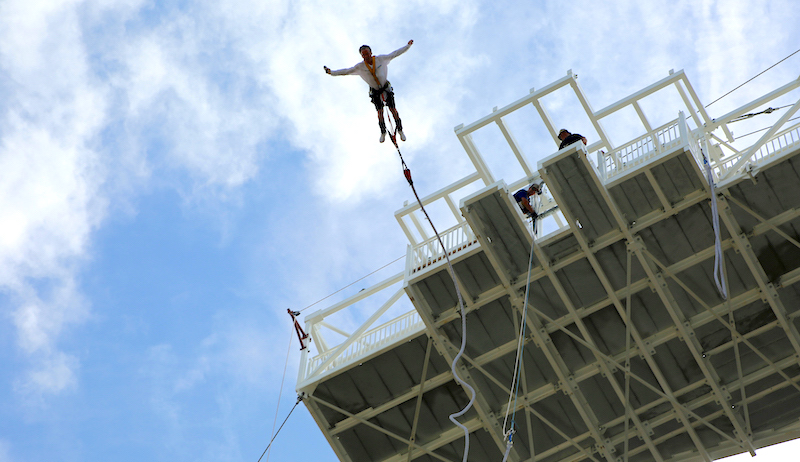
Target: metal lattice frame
(656, 277)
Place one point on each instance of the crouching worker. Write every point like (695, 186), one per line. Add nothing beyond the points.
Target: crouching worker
(375, 71)
(523, 198)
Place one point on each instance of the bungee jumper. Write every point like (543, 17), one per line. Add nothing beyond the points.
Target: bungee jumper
(375, 70)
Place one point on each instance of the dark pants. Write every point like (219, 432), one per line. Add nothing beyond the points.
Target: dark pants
(375, 96)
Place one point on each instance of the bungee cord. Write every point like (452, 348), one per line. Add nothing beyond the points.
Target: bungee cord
(462, 382)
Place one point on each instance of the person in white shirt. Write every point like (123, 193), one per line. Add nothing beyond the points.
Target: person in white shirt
(375, 70)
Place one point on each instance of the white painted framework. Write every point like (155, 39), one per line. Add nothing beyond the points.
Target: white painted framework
(613, 164)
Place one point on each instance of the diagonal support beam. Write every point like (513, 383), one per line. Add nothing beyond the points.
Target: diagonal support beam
(448, 351)
(598, 355)
(569, 441)
(767, 287)
(355, 335)
(378, 428)
(413, 392)
(643, 348)
(762, 220)
(671, 304)
(568, 383)
(413, 437)
(761, 141)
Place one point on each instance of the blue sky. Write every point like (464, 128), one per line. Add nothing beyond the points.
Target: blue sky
(176, 175)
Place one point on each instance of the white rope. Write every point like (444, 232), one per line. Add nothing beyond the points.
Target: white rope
(461, 381)
(509, 433)
(719, 280)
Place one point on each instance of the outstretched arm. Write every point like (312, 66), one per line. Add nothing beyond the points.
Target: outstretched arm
(348, 71)
(400, 51)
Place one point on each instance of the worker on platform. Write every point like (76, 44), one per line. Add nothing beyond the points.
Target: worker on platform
(568, 138)
(523, 198)
(375, 70)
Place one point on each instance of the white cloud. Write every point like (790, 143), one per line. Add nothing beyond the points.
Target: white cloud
(51, 374)
(104, 97)
(52, 178)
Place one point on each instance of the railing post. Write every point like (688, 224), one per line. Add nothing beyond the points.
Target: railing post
(601, 165)
(409, 262)
(682, 128)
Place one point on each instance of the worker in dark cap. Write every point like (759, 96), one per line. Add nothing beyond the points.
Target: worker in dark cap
(568, 138)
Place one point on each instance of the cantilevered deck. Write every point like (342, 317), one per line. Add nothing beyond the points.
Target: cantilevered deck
(630, 352)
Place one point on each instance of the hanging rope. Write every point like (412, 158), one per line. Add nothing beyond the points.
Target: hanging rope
(740, 86)
(278, 406)
(718, 255)
(462, 382)
(508, 433)
(299, 398)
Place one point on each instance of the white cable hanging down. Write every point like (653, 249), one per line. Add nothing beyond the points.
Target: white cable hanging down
(462, 382)
(509, 433)
(719, 258)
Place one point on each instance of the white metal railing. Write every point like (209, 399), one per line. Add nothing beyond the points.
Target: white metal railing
(449, 195)
(458, 238)
(780, 143)
(640, 150)
(370, 341)
(367, 339)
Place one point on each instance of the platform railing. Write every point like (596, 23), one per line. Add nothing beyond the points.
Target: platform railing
(337, 348)
(642, 149)
(456, 239)
(788, 139)
(364, 345)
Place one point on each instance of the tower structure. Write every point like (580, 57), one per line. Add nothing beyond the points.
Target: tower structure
(653, 331)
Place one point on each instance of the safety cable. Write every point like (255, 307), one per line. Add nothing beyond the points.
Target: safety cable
(762, 129)
(299, 398)
(462, 382)
(348, 285)
(740, 86)
(277, 407)
(768, 110)
(509, 434)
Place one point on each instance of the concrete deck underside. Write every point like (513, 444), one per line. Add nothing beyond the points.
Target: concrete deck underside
(691, 376)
